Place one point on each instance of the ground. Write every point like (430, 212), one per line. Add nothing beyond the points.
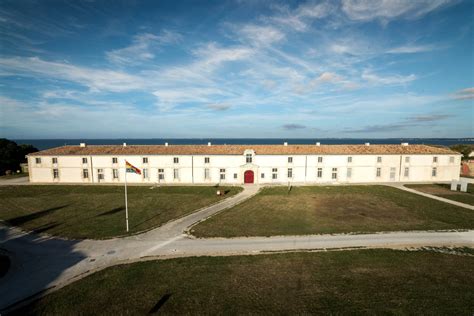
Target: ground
(13, 176)
(98, 211)
(444, 191)
(333, 209)
(339, 282)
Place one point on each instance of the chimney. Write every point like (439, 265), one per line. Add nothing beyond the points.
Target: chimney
(209, 144)
(285, 144)
(82, 145)
(404, 144)
(166, 144)
(367, 144)
(318, 144)
(124, 144)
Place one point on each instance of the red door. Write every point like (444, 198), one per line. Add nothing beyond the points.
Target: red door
(248, 176)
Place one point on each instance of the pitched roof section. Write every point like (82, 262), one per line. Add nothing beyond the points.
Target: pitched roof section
(239, 150)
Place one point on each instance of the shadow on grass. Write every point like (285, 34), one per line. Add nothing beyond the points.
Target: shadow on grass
(44, 228)
(160, 303)
(112, 211)
(146, 220)
(18, 221)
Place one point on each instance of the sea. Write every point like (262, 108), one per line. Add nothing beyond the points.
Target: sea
(42, 144)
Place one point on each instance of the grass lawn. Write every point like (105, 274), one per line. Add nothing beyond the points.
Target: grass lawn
(444, 191)
(343, 282)
(99, 211)
(333, 209)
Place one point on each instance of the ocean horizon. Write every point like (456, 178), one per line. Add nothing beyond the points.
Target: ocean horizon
(42, 144)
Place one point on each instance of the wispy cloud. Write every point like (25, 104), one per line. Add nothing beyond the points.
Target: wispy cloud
(219, 106)
(366, 10)
(411, 49)
(293, 126)
(386, 80)
(464, 94)
(143, 48)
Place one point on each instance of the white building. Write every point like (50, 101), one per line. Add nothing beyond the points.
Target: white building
(238, 164)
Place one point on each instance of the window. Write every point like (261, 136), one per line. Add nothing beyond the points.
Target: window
(379, 159)
(145, 159)
(175, 174)
(290, 173)
(248, 158)
(393, 171)
(235, 175)
(85, 173)
(407, 159)
(145, 173)
(406, 173)
(262, 176)
(349, 159)
(115, 173)
(274, 173)
(378, 173)
(207, 159)
(320, 159)
(222, 174)
(349, 173)
(38, 161)
(175, 160)
(451, 159)
(100, 174)
(434, 172)
(114, 160)
(55, 173)
(320, 172)
(161, 174)
(435, 159)
(206, 174)
(84, 160)
(290, 159)
(334, 173)
(55, 160)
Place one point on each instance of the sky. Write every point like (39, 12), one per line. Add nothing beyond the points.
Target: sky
(236, 69)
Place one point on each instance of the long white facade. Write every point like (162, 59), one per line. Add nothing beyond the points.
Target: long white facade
(248, 167)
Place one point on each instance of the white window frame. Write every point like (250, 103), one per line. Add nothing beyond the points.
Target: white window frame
(55, 173)
(38, 160)
(379, 159)
(319, 173)
(274, 173)
(207, 174)
(85, 173)
(435, 159)
(145, 160)
(161, 174)
(175, 174)
(145, 173)
(434, 172)
(222, 174)
(320, 159)
(262, 175)
(349, 159)
(349, 173)
(175, 159)
(84, 160)
(235, 176)
(290, 173)
(114, 160)
(207, 160)
(406, 172)
(54, 160)
(407, 159)
(290, 159)
(248, 158)
(115, 173)
(334, 174)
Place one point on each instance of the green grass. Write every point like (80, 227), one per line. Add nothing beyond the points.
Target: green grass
(340, 282)
(99, 211)
(333, 209)
(444, 191)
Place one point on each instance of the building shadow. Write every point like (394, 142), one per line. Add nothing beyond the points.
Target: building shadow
(20, 220)
(36, 262)
(112, 211)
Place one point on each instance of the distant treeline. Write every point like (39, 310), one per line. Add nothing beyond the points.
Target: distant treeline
(12, 154)
(464, 149)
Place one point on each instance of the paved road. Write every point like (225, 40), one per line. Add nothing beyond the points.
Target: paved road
(40, 263)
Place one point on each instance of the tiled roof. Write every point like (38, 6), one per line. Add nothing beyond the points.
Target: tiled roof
(239, 150)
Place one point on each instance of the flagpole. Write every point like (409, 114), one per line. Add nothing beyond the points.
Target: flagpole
(126, 202)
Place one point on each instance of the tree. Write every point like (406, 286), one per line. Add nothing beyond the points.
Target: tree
(465, 150)
(12, 154)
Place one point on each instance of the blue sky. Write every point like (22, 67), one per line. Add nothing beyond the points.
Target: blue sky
(151, 69)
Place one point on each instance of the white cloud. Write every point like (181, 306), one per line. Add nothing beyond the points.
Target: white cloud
(218, 106)
(411, 49)
(464, 94)
(386, 80)
(260, 35)
(300, 18)
(95, 79)
(366, 10)
(142, 48)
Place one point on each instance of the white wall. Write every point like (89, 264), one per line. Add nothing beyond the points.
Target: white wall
(191, 168)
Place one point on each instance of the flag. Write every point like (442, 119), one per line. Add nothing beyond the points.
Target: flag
(131, 168)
